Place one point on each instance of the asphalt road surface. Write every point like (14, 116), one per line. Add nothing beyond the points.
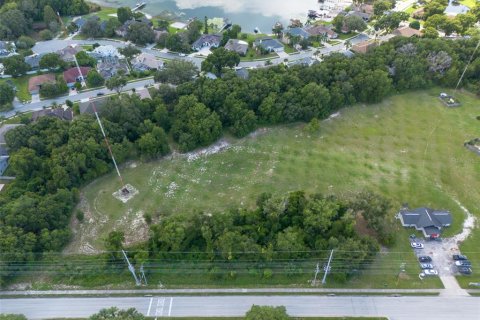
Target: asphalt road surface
(19, 107)
(396, 308)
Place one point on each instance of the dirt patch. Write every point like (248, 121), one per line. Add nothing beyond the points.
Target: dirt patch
(362, 228)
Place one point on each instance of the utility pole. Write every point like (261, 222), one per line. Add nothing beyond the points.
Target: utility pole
(82, 78)
(317, 270)
(143, 275)
(132, 269)
(327, 268)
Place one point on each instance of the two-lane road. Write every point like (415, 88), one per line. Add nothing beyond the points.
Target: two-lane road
(396, 308)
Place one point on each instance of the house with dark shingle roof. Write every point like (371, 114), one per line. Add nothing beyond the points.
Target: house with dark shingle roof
(269, 44)
(34, 60)
(427, 220)
(297, 32)
(239, 46)
(59, 113)
(207, 41)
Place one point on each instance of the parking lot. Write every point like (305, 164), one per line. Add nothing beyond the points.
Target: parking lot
(441, 252)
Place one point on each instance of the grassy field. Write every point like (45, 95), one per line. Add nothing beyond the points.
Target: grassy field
(409, 148)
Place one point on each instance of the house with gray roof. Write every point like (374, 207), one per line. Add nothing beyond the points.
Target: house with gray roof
(7, 49)
(239, 46)
(34, 60)
(427, 220)
(3, 159)
(207, 41)
(297, 32)
(268, 45)
(110, 66)
(455, 8)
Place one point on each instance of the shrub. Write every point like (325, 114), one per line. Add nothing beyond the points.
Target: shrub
(80, 215)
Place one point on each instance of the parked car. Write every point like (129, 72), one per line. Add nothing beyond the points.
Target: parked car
(459, 257)
(430, 272)
(465, 270)
(424, 259)
(416, 245)
(426, 265)
(463, 263)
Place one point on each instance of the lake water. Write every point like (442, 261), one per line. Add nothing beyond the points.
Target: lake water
(247, 13)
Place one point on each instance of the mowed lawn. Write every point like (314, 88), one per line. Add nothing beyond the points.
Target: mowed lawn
(409, 148)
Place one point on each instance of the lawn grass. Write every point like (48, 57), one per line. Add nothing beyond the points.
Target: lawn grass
(103, 14)
(22, 87)
(345, 36)
(469, 3)
(253, 54)
(409, 148)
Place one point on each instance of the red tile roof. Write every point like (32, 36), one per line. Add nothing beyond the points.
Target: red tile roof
(72, 74)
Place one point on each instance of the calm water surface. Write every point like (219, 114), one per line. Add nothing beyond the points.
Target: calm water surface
(247, 13)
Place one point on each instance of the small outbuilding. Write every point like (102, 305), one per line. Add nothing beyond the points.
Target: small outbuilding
(427, 220)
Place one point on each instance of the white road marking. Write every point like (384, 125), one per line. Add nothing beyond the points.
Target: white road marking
(159, 308)
(149, 307)
(170, 308)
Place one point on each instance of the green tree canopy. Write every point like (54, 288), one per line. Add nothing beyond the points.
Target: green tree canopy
(176, 72)
(219, 59)
(267, 313)
(124, 14)
(15, 66)
(94, 79)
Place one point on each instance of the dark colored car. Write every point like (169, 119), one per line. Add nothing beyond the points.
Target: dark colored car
(459, 257)
(424, 259)
(100, 94)
(465, 270)
(463, 263)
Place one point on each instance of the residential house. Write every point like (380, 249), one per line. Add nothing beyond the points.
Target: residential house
(79, 23)
(207, 41)
(322, 31)
(34, 60)
(419, 13)
(179, 25)
(364, 46)
(239, 46)
(123, 29)
(406, 32)
(68, 53)
(74, 75)
(143, 93)
(107, 51)
(427, 220)
(146, 61)
(242, 73)
(159, 34)
(7, 49)
(59, 113)
(296, 32)
(3, 159)
(307, 61)
(110, 66)
(87, 105)
(268, 45)
(2, 69)
(454, 9)
(35, 83)
(365, 16)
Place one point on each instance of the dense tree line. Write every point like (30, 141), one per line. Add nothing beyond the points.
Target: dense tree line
(291, 227)
(51, 158)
